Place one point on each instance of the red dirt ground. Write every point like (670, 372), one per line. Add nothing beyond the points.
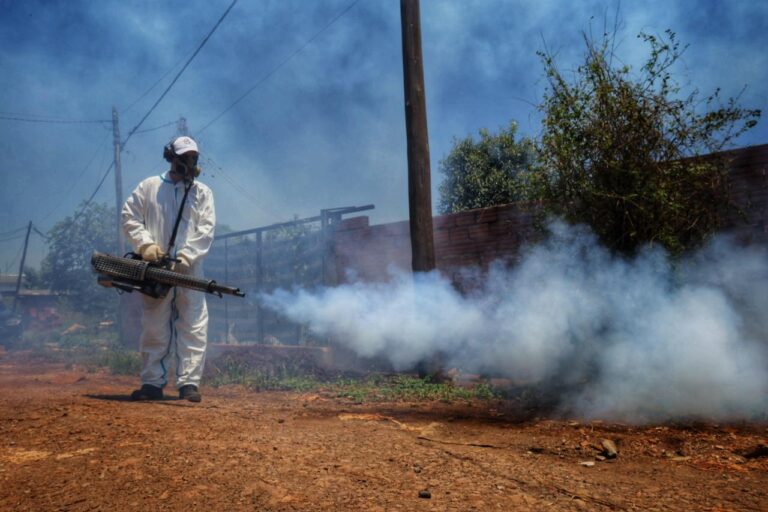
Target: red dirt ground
(71, 441)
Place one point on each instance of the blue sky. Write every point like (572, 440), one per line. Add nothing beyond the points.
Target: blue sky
(323, 127)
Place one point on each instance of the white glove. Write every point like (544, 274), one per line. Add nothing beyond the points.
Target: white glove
(182, 266)
(152, 253)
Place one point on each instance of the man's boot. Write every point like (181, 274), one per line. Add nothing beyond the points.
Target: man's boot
(147, 392)
(190, 392)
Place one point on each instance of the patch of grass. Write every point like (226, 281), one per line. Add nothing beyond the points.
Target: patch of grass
(409, 389)
(91, 348)
(78, 341)
(375, 388)
(279, 378)
(121, 361)
(38, 339)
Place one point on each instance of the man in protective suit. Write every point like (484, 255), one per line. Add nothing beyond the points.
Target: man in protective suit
(174, 329)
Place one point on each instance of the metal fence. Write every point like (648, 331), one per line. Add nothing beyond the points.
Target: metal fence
(284, 255)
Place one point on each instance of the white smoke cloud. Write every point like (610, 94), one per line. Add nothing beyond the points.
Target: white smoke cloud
(647, 339)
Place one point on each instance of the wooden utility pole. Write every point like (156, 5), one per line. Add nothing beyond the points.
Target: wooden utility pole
(181, 126)
(21, 267)
(122, 325)
(118, 182)
(419, 184)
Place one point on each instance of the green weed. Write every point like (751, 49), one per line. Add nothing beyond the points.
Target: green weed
(409, 389)
(121, 361)
(280, 377)
(375, 388)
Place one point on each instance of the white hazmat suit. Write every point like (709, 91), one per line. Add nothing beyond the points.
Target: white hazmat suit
(174, 329)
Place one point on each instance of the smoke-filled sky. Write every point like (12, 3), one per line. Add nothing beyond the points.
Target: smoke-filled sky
(323, 124)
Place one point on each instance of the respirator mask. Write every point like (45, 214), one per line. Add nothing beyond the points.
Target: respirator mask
(186, 166)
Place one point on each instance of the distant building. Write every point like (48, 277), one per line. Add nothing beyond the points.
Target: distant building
(38, 308)
(8, 284)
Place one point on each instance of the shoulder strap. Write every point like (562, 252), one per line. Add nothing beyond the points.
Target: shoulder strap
(187, 186)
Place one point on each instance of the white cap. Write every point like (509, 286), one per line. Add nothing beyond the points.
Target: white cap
(184, 145)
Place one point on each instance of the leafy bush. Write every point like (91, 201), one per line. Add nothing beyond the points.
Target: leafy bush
(66, 267)
(623, 154)
(488, 172)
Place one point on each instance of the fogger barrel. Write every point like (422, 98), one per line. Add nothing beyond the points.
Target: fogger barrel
(133, 274)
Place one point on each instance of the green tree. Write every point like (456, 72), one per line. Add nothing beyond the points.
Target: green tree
(487, 172)
(33, 278)
(624, 153)
(67, 266)
(223, 229)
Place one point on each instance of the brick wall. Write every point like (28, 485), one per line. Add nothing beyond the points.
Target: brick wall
(749, 181)
(472, 238)
(475, 238)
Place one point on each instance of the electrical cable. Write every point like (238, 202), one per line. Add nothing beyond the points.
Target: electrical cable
(99, 148)
(223, 174)
(14, 260)
(276, 68)
(135, 128)
(156, 127)
(88, 202)
(134, 102)
(255, 202)
(54, 121)
(178, 75)
(15, 237)
(22, 228)
(45, 237)
(100, 184)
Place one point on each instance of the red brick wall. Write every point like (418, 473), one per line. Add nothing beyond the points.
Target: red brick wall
(749, 181)
(478, 237)
(467, 239)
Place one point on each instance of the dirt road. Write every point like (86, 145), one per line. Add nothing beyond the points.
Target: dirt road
(69, 440)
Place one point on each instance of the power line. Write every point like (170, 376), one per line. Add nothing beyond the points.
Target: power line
(54, 121)
(129, 107)
(135, 128)
(50, 212)
(74, 182)
(15, 237)
(88, 202)
(97, 187)
(45, 237)
(13, 261)
(145, 130)
(200, 47)
(223, 174)
(239, 188)
(280, 65)
(11, 231)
